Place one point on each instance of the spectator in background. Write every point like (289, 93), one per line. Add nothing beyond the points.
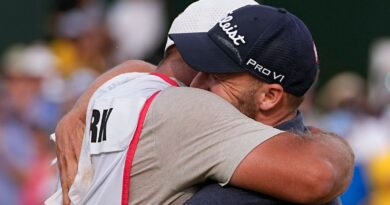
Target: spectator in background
(94, 35)
(81, 44)
(26, 109)
(365, 125)
(80, 38)
(379, 101)
(29, 71)
(379, 171)
(379, 76)
(39, 179)
(343, 99)
(137, 27)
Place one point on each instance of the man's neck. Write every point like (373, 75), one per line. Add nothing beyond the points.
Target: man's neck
(165, 69)
(275, 118)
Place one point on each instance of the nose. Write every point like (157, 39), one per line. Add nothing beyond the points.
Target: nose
(200, 81)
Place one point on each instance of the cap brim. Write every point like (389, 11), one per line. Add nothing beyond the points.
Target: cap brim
(202, 54)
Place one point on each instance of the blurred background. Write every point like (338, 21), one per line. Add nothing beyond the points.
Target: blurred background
(51, 50)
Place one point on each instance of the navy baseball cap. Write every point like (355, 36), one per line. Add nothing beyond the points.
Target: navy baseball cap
(270, 43)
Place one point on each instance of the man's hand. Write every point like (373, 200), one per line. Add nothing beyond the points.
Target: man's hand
(69, 137)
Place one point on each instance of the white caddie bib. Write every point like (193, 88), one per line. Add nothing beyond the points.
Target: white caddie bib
(114, 120)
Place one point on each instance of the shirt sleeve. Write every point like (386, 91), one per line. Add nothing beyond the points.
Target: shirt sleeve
(200, 136)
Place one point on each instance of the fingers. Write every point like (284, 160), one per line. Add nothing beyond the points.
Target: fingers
(63, 176)
(68, 169)
(67, 160)
(69, 134)
(78, 139)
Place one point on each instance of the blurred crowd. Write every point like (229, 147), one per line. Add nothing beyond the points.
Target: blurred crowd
(41, 80)
(358, 109)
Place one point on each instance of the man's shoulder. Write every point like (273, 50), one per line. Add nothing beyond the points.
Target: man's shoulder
(193, 96)
(189, 92)
(138, 64)
(132, 84)
(197, 109)
(201, 126)
(192, 101)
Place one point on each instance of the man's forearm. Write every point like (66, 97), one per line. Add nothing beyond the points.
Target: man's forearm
(312, 169)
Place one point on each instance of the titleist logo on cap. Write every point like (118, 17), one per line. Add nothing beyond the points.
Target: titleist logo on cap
(231, 30)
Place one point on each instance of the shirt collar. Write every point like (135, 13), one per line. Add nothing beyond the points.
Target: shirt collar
(294, 125)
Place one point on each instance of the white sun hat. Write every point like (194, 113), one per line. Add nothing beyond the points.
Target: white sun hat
(202, 15)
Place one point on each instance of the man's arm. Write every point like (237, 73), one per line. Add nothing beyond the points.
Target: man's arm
(212, 193)
(70, 129)
(225, 146)
(312, 169)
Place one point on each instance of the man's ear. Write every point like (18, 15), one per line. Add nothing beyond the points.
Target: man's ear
(270, 96)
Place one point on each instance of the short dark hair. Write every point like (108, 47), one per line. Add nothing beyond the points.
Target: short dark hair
(294, 101)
